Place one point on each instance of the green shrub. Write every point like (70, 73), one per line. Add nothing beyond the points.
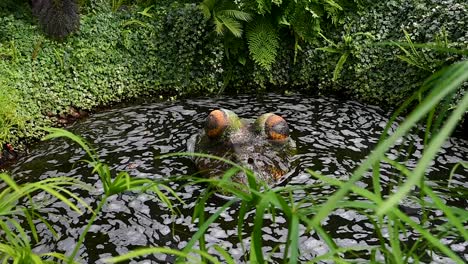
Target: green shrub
(373, 72)
(114, 57)
(171, 49)
(11, 119)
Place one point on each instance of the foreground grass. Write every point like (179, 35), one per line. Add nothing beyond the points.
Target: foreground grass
(380, 208)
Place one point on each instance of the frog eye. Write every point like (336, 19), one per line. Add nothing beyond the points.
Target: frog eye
(276, 128)
(222, 121)
(216, 123)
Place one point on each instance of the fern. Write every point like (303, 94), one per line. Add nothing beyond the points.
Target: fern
(207, 6)
(413, 57)
(224, 21)
(225, 16)
(239, 15)
(263, 6)
(304, 18)
(263, 41)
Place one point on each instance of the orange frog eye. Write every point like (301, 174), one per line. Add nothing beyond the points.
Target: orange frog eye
(276, 128)
(216, 123)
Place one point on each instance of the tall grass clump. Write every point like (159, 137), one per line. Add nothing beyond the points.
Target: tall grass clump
(17, 205)
(112, 185)
(17, 220)
(430, 109)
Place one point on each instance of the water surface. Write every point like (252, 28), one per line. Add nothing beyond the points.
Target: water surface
(332, 137)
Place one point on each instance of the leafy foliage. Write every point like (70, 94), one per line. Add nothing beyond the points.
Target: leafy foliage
(225, 15)
(375, 70)
(170, 50)
(18, 207)
(263, 42)
(304, 18)
(15, 243)
(107, 61)
(112, 185)
(380, 209)
(11, 120)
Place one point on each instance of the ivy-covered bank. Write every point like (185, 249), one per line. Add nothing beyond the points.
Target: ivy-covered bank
(172, 49)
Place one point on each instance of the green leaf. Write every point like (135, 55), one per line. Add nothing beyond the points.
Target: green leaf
(263, 41)
(339, 66)
(448, 81)
(429, 154)
(233, 25)
(237, 14)
(225, 254)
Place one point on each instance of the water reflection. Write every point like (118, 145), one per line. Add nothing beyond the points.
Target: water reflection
(332, 137)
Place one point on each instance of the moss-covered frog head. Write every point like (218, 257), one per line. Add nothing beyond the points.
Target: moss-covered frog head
(262, 145)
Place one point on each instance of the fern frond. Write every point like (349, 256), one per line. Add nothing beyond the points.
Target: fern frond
(237, 14)
(234, 26)
(333, 4)
(225, 16)
(339, 66)
(205, 10)
(219, 26)
(263, 41)
(304, 19)
(263, 6)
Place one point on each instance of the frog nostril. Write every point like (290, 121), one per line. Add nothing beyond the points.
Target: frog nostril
(250, 161)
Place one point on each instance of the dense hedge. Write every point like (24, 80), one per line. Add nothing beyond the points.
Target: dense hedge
(372, 72)
(111, 58)
(120, 55)
(375, 73)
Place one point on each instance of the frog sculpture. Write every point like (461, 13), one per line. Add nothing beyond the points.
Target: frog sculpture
(262, 145)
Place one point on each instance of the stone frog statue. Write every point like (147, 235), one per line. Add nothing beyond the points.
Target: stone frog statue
(262, 145)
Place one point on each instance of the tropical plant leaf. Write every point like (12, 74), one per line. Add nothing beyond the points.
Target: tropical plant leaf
(339, 66)
(234, 26)
(237, 14)
(207, 6)
(263, 42)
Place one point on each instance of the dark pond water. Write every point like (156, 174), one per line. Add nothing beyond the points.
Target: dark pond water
(332, 137)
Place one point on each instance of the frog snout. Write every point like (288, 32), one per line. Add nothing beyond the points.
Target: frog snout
(248, 161)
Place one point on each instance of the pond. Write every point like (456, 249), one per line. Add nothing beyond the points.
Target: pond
(332, 137)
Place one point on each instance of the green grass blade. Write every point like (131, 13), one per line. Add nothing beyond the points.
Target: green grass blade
(452, 172)
(8, 180)
(453, 77)
(58, 132)
(225, 254)
(202, 229)
(240, 222)
(437, 201)
(428, 236)
(31, 225)
(293, 239)
(47, 224)
(427, 157)
(61, 198)
(452, 219)
(257, 230)
(339, 66)
(146, 251)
